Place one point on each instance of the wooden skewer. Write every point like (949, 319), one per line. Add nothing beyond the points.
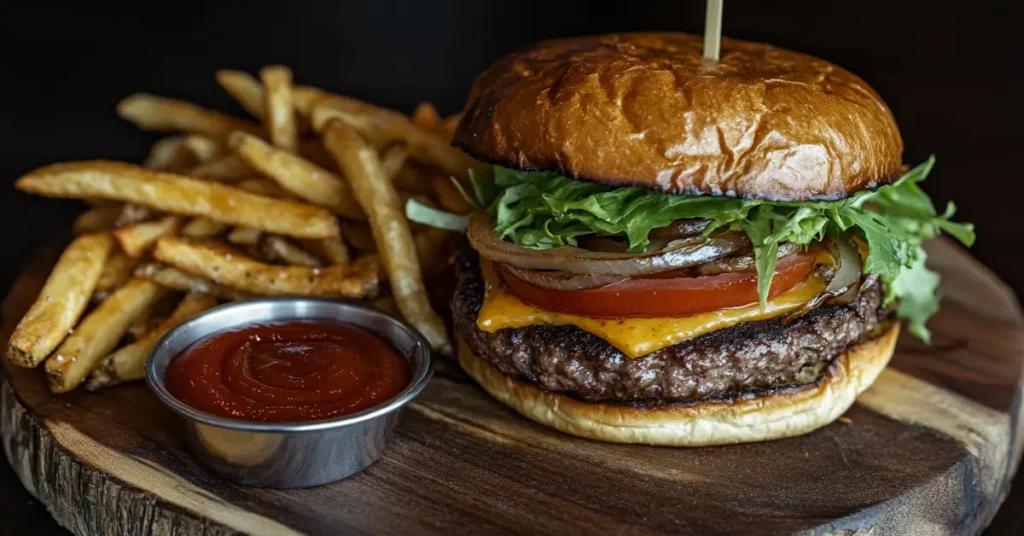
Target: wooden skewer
(713, 30)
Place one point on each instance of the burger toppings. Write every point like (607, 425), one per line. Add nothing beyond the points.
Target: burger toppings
(537, 222)
(635, 336)
(753, 354)
(679, 253)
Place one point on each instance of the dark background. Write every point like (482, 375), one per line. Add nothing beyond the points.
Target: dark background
(947, 71)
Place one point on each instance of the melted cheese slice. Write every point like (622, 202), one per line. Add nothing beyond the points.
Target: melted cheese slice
(634, 337)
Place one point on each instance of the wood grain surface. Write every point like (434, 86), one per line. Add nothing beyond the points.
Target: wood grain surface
(929, 449)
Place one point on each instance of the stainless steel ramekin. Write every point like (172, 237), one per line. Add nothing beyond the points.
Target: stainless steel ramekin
(290, 454)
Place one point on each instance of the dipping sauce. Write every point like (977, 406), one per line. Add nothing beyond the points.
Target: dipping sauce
(293, 371)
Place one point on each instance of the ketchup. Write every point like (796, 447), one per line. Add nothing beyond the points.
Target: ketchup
(295, 371)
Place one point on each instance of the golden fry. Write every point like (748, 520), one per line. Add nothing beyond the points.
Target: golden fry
(129, 362)
(302, 178)
(96, 219)
(245, 236)
(202, 228)
(280, 113)
(394, 160)
(279, 249)
(204, 149)
(332, 250)
(426, 117)
(171, 154)
(117, 270)
(448, 196)
(175, 279)
(449, 125)
(377, 195)
(98, 334)
(226, 168)
(424, 145)
(386, 304)
(160, 114)
(245, 89)
(137, 239)
(62, 300)
(265, 187)
(179, 195)
(132, 213)
(223, 266)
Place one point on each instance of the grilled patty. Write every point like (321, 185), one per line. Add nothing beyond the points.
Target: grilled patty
(750, 356)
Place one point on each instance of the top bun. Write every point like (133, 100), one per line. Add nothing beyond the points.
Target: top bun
(645, 109)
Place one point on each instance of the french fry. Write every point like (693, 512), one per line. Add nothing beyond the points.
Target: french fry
(280, 113)
(117, 270)
(137, 239)
(431, 246)
(449, 125)
(96, 219)
(302, 178)
(308, 98)
(160, 114)
(226, 168)
(175, 279)
(225, 267)
(62, 300)
(179, 195)
(129, 362)
(394, 160)
(386, 304)
(203, 148)
(170, 154)
(142, 325)
(202, 228)
(426, 117)
(424, 145)
(359, 236)
(264, 187)
(245, 89)
(361, 165)
(245, 236)
(279, 249)
(332, 250)
(448, 196)
(98, 334)
(132, 213)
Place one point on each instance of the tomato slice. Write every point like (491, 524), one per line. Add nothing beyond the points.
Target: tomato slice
(657, 296)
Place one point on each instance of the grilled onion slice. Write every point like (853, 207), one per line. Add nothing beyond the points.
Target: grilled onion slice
(676, 254)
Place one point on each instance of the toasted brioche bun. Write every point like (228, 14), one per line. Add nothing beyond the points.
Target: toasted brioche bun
(743, 419)
(644, 109)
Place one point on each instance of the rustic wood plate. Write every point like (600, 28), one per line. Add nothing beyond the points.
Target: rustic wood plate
(929, 449)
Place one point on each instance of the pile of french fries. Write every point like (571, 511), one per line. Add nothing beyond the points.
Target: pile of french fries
(306, 201)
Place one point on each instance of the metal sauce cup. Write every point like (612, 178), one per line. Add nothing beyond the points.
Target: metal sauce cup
(290, 454)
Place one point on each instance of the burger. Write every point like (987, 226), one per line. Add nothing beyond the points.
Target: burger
(673, 251)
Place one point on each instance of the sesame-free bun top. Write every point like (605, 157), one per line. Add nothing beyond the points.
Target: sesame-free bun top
(645, 109)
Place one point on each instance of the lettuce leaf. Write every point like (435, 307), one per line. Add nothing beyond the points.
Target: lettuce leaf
(543, 210)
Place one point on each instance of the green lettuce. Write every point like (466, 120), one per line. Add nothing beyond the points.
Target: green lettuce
(543, 210)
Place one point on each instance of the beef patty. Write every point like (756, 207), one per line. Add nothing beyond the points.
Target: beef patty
(747, 357)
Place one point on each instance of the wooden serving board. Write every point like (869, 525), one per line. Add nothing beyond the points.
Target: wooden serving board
(929, 449)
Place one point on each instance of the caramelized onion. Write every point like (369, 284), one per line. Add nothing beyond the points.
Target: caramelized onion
(562, 280)
(743, 262)
(842, 286)
(677, 254)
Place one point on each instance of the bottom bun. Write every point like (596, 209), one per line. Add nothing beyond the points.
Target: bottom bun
(742, 418)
